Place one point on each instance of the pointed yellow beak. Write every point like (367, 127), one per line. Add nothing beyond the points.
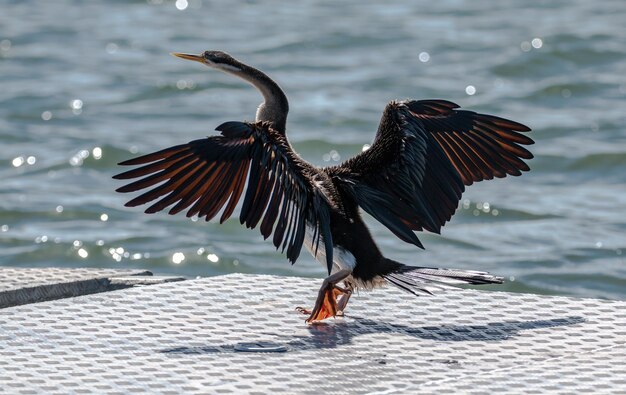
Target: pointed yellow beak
(188, 56)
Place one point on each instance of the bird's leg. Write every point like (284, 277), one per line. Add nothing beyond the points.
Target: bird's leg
(326, 303)
(342, 302)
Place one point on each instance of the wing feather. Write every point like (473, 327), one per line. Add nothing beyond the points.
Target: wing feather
(158, 177)
(153, 167)
(165, 153)
(424, 154)
(209, 175)
(240, 182)
(220, 193)
(185, 197)
(272, 210)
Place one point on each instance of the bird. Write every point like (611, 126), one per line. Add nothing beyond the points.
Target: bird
(411, 179)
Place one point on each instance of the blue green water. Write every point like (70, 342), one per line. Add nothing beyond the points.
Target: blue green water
(84, 85)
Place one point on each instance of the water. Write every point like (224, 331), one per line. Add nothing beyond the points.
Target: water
(87, 84)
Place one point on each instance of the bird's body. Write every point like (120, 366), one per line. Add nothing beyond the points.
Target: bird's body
(411, 179)
(354, 248)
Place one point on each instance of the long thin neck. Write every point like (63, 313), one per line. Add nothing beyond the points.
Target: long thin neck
(275, 105)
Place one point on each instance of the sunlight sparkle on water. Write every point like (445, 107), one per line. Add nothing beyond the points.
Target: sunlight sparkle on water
(20, 160)
(77, 106)
(365, 147)
(181, 4)
(111, 48)
(4, 228)
(470, 90)
(332, 155)
(213, 258)
(536, 43)
(178, 257)
(116, 253)
(184, 84)
(526, 46)
(77, 160)
(424, 57)
(46, 115)
(96, 153)
(59, 209)
(117, 257)
(17, 162)
(83, 253)
(104, 217)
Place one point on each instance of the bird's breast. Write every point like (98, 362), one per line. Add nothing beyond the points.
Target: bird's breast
(342, 259)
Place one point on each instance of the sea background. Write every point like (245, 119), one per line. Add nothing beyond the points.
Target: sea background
(86, 84)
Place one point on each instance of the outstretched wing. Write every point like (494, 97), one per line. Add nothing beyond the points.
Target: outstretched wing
(424, 154)
(205, 176)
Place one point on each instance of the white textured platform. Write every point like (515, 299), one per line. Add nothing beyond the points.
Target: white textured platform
(188, 337)
(29, 285)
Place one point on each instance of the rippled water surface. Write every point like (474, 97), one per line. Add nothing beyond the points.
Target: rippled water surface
(85, 85)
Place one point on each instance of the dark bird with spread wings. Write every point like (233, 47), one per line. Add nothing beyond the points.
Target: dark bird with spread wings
(411, 179)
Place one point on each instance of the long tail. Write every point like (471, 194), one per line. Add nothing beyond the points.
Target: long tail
(424, 280)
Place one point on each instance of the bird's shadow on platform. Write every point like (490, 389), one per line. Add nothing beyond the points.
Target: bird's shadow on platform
(331, 334)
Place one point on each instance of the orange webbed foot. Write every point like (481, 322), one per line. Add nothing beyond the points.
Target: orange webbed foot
(327, 307)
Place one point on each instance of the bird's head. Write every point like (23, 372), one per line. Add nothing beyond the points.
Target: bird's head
(215, 59)
(274, 107)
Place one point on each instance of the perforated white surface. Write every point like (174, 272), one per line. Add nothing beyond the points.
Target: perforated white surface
(29, 285)
(182, 338)
(12, 278)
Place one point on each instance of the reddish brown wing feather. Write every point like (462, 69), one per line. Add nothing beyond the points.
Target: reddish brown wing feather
(423, 155)
(479, 146)
(206, 175)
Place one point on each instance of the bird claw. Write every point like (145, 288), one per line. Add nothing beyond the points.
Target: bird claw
(325, 306)
(303, 310)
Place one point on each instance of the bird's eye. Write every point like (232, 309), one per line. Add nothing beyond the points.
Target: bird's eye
(206, 54)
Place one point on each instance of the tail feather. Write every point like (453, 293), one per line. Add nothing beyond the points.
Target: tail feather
(421, 280)
(408, 285)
